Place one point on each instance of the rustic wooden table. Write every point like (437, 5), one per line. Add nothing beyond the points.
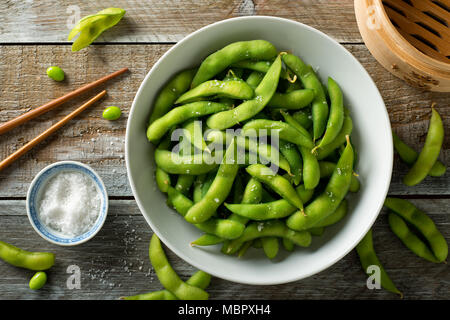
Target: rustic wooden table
(115, 263)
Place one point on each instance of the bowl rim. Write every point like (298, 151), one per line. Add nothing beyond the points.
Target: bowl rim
(103, 211)
(389, 157)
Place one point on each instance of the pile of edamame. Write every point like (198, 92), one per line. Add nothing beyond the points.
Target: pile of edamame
(265, 153)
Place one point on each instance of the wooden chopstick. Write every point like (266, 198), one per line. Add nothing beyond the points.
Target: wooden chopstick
(13, 157)
(4, 127)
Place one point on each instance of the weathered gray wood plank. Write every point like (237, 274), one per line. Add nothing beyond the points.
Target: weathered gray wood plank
(115, 263)
(100, 143)
(166, 21)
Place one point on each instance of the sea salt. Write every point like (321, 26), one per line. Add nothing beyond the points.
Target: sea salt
(70, 203)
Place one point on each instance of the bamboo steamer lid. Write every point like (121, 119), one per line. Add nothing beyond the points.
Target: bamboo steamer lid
(410, 38)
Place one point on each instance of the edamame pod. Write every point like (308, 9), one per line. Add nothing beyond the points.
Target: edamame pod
(259, 66)
(272, 228)
(277, 183)
(335, 191)
(368, 257)
(270, 246)
(409, 239)
(336, 117)
(430, 152)
(179, 84)
(293, 100)
(162, 180)
(326, 170)
(328, 149)
(36, 261)
(290, 152)
(207, 240)
(223, 228)
(266, 152)
(284, 130)
(249, 108)
(194, 133)
(310, 81)
(184, 183)
(168, 277)
(409, 156)
(235, 89)
(232, 53)
(422, 223)
(219, 190)
(196, 164)
(178, 115)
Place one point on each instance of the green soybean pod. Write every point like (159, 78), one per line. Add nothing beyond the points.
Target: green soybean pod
(270, 246)
(422, 223)
(335, 217)
(429, 153)
(259, 66)
(207, 240)
(329, 200)
(285, 131)
(249, 108)
(277, 183)
(326, 170)
(179, 84)
(184, 183)
(219, 190)
(223, 228)
(328, 149)
(293, 100)
(303, 117)
(311, 169)
(162, 180)
(288, 244)
(168, 277)
(409, 239)
(368, 257)
(235, 89)
(173, 163)
(290, 152)
(254, 79)
(38, 280)
(178, 115)
(194, 133)
(310, 81)
(197, 193)
(36, 261)
(336, 116)
(232, 53)
(409, 156)
(272, 228)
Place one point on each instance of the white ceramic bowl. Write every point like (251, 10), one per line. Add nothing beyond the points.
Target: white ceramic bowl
(35, 192)
(371, 136)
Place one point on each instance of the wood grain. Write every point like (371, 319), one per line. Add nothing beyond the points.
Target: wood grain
(100, 143)
(166, 21)
(115, 263)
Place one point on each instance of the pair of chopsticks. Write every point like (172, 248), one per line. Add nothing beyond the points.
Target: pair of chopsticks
(49, 106)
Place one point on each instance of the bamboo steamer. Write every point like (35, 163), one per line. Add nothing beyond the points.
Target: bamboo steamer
(410, 38)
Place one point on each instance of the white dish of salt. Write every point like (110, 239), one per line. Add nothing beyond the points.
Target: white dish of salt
(70, 203)
(67, 203)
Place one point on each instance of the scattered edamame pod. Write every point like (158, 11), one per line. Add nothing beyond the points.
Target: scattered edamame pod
(92, 26)
(422, 223)
(409, 156)
(168, 277)
(430, 152)
(38, 280)
(368, 257)
(409, 239)
(55, 73)
(37, 261)
(112, 113)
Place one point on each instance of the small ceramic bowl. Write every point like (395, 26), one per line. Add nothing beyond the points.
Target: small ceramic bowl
(35, 192)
